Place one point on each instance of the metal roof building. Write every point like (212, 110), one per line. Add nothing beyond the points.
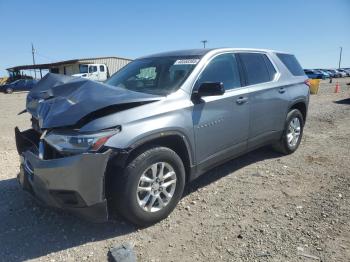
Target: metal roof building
(70, 67)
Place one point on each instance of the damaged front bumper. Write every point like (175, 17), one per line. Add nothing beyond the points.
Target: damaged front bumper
(74, 183)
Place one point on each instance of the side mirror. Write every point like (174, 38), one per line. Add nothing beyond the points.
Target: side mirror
(209, 89)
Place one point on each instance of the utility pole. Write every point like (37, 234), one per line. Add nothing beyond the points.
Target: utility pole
(341, 51)
(33, 52)
(204, 42)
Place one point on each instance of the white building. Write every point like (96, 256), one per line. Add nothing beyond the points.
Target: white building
(70, 67)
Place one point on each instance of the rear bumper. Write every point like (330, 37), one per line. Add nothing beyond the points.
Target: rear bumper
(74, 183)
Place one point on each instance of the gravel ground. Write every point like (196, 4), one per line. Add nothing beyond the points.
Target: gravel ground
(259, 207)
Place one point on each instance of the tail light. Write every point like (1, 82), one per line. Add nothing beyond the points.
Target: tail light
(307, 82)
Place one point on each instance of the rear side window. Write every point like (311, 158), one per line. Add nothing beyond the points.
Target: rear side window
(292, 64)
(258, 68)
(102, 68)
(222, 68)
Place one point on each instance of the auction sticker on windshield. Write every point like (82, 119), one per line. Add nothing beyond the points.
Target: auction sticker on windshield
(186, 62)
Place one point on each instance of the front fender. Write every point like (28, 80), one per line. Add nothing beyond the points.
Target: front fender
(127, 146)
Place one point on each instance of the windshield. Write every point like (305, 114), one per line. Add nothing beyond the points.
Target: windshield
(83, 69)
(157, 75)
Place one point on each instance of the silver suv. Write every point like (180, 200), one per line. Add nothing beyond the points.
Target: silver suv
(132, 143)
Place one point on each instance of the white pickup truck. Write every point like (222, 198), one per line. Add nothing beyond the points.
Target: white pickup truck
(97, 72)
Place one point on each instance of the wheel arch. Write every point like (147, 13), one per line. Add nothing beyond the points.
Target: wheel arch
(174, 140)
(301, 106)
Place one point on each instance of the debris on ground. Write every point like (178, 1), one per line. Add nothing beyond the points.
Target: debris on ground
(123, 253)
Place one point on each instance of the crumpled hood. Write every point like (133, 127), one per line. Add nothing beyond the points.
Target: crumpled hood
(59, 100)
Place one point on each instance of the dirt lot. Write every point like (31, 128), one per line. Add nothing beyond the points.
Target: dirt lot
(259, 207)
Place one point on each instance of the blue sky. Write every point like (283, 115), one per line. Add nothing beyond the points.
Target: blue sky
(312, 30)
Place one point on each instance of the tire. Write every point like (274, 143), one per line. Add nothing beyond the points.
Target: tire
(126, 198)
(283, 146)
(8, 90)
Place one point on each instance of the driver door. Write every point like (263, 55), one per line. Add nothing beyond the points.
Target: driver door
(221, 122)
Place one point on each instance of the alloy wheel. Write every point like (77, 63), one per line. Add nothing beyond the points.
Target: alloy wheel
(156, 187)
(293, 133)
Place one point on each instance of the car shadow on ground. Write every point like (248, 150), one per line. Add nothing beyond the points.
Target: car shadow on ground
(231, 166)
(29, 231)
(345, 101)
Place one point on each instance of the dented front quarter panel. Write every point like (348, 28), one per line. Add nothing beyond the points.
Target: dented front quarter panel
(171, 115)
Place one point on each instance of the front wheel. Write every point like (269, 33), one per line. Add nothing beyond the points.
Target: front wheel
(151, 186)
(292, 134)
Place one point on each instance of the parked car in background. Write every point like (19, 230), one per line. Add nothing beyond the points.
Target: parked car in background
(132, 143)
(331, 74)
(344, 72)
(324, 73)
(327, 73)
(312, 74)
(19, 85)
(335, 73)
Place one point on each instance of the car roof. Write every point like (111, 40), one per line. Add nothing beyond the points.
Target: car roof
(204, 51)
(186, 52)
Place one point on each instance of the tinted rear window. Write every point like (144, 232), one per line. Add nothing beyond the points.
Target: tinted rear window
(258, 68)
(291, 63)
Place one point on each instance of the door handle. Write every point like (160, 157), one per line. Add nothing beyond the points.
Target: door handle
(282, 90)
(241, 100)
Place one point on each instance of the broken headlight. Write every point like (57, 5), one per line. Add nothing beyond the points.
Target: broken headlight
(78, 142)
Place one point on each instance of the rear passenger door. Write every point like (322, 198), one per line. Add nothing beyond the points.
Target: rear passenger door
(268, 101)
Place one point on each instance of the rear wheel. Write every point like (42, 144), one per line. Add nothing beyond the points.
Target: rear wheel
(8, 90)
(292, 134)
(151, 186)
